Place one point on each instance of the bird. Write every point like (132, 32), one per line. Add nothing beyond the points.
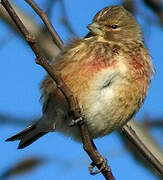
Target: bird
(108, 71)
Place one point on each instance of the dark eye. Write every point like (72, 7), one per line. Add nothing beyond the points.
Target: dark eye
(114, 26)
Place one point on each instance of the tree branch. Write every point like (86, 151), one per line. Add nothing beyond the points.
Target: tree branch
(129, 132)
(49, 26)
(143, 134)
(157, 7)
(73, 104)
(90, 149)
(48, 47)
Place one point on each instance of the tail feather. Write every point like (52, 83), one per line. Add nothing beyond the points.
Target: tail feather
(21, 134)
(27, 136)
(27, 140)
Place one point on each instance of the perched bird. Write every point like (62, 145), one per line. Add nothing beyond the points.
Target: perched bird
(109, 72)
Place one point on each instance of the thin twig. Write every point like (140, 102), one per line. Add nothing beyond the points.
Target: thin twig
(73, 104)
(129, 132)
(93, 153)
(157, 7)
(40, 58)
(48, 47)
(45, 19)
(23, 166)
(156, 123)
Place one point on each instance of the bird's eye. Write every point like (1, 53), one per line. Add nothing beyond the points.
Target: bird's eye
(114, 26)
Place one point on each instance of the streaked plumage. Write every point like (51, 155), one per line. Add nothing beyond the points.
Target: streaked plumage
(108, 71)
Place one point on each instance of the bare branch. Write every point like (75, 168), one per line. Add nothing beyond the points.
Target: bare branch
(157, 7)
(48, 47)
(129, 132)
(23, 166)
(156, 123)
(46, 21)
(73, 104)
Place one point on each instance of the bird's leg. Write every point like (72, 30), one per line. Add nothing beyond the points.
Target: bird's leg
(102, 162)
(79, 121)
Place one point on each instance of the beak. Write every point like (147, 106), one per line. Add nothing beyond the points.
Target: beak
(95, 28)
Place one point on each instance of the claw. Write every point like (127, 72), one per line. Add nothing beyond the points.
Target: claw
(75, 122)
(102, 162)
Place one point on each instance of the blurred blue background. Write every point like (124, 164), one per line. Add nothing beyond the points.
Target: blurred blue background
(20, 79)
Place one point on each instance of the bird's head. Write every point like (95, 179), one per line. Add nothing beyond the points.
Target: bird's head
(115, 23)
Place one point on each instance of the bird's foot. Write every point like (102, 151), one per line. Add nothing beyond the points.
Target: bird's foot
(76, 122)
(102, 163)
